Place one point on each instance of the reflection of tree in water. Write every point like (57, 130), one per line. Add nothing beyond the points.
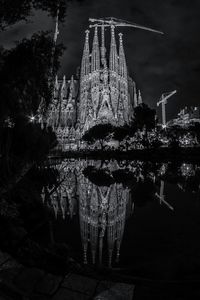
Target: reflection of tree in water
(61, 195)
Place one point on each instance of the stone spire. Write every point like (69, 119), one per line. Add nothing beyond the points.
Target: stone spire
(103, 48)
(139, 98)
(95, 64)
(113, 52)
(71, 88)
(124, 105)
(84, 82)
(64, 92)
(85, 64)
(134, 95)
(95, 76)
(122, 59)
(56, 82)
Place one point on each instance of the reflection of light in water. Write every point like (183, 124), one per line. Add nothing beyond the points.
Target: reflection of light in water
(190, 177)
(187, 170)
(163, 169)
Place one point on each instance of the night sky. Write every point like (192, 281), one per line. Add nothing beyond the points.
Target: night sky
(158, 63)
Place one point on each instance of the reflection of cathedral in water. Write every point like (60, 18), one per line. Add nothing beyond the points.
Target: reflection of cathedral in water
(102, 210)
(103, 207)
(102, 213)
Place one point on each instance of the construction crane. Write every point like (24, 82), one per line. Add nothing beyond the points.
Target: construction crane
(163, 101)
(114, 22)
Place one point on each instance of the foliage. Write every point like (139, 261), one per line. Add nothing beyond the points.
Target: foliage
(174, 143)
(144, 116)
(156, 143)
(18, 10)
(31, 142)
(121, 132)
(195, 130)
(98, 132)
(8, 210)
(25, 75)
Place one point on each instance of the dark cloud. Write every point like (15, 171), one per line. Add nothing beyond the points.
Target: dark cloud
(158, 63)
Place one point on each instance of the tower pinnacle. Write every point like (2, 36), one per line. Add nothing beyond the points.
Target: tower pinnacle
(139, 98)
(113, 52)
(95, 65)
(122, 59)
(103, 49)
(85, 59)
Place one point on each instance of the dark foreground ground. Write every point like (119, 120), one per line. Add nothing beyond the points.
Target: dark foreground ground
(19, 282)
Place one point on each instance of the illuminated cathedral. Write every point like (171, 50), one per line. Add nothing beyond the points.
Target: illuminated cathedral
(103, 92)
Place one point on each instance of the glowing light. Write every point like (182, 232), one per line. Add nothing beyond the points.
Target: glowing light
(32, 118)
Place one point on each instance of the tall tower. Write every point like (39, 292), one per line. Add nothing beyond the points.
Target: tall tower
(84, 81)
(123, 105)
(95, 74)
(114, 73)
(104, 90)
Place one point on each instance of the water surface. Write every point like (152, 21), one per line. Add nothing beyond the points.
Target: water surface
(141, 218)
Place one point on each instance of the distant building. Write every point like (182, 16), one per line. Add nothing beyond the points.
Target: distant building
(187, 116)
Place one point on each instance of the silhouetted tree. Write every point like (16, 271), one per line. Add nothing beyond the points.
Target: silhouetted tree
(121, 132)
(24, 74)
(144, 116)
(98, 133)
(194, 129)
(18, 10)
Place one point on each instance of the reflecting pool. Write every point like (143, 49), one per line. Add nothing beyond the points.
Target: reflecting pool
(137, 217)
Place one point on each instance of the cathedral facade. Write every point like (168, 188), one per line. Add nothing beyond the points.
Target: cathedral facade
(104, 92)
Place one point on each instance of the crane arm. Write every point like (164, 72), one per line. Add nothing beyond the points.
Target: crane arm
(120, 23)
(165, 96)
(139, 27)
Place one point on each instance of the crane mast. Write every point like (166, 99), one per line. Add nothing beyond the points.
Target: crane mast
(163, 102)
